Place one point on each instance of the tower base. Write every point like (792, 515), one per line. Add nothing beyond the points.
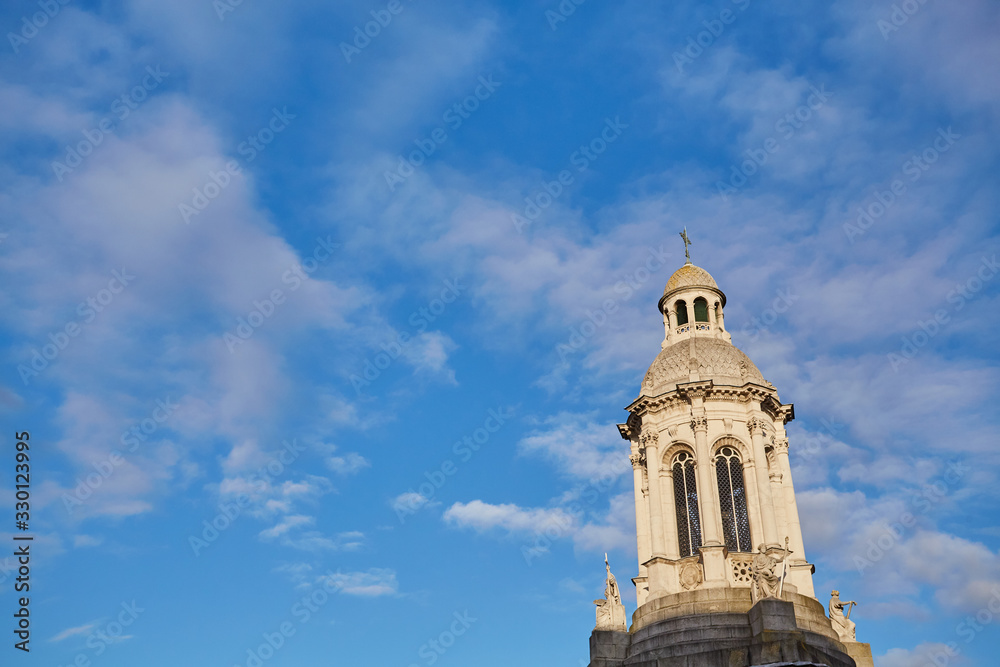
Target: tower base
(719, 628)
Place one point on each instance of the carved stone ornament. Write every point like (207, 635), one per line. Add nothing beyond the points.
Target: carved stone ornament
(768, 573)
(780, 445)
(699, 424)
(755, 425)
(691, 576)
(638, 459)
(610, 611)
(649, 438)
(841, 622)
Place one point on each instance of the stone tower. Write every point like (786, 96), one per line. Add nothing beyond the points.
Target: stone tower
(723, 577)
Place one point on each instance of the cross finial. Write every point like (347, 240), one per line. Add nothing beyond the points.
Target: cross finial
(687, 242)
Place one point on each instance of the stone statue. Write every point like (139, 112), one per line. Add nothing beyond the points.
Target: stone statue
(767, 578)
(842, 623)
(610, 611)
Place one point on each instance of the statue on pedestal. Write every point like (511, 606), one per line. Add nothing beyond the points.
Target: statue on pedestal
(767, 579)
(842, 622)
(610, 611)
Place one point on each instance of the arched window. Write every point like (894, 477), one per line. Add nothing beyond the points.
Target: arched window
(682, 312)
(733, 500)
(700, 310)
(686, 504)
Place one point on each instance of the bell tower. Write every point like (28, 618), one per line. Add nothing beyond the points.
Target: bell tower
(717, 526)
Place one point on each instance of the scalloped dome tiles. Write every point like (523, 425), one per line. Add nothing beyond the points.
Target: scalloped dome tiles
(690, 275)
(714, 359)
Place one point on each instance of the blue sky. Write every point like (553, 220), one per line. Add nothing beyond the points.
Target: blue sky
(382, 300)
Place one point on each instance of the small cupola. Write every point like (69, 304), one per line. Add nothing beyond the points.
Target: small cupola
(692, 304)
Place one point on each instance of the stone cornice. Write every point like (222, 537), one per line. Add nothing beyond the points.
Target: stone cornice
(775, 410)
(767, 397)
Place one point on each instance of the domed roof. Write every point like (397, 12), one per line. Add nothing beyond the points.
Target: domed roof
(690, 275)
(712, 358)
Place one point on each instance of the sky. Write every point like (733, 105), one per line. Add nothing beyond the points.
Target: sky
(320, 316)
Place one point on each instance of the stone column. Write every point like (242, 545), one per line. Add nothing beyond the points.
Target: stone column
(795, 542)
(778, 494)
(713, 548)
(689, 304)
(753, 504)
(656, 570)
(673, 547)
(638, 459)
(756, 427)
(721, 318)
(666, 330)
(707, 492)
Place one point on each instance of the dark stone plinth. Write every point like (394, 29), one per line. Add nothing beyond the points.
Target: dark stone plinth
(731, 635)
(772, 615)
(608, 648)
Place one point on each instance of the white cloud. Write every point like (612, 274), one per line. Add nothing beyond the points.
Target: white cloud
(428, 352)
(82, 541)
(411, 501)
(927, 653)
(483, 517)
(580, 446)
(286, 524)
(316, 541)
(889, 544)
(614, 530)
(72, 632)
(371, 583)
(348, 464)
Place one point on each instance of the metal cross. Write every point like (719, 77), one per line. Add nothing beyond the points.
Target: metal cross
(687, 242)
